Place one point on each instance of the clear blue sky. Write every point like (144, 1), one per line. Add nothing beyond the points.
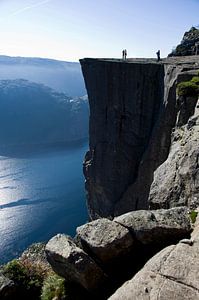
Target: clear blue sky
(73, 29)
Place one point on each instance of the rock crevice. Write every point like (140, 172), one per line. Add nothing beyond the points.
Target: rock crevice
(170, 274)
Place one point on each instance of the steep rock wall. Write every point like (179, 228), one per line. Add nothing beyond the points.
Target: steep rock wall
(176, 181)
(124, 103)
(133, 111)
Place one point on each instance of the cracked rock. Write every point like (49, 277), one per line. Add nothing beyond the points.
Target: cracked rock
(157, 226)
(72, 263)
(173, 273)
(105, 239)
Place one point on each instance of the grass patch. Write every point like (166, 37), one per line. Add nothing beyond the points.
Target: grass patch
(189, 88)
(27, 275)
(195, 80)
(193, 215)
(53, 288)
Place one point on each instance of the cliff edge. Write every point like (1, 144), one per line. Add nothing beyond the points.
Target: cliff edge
(135, 118)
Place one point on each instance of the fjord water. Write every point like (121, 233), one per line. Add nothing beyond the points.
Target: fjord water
(41, 194)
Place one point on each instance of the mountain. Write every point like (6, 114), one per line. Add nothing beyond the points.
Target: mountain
(189, 44)
(31, 113)
(61, 76)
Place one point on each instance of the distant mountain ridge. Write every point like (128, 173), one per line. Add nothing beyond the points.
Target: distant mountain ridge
(32, 113)
(60, 75)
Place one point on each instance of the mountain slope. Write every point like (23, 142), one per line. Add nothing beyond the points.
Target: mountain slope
(62, 76)
(32, 113)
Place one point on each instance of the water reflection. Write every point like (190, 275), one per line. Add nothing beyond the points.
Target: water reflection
(40, 195)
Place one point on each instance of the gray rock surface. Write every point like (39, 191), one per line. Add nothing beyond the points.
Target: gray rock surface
(157, 226)
(73, 263)
(7, 288)
(176, 181)
(133, 113)
(106, 239)
(122, 117)
(188, 44)
(171, 274)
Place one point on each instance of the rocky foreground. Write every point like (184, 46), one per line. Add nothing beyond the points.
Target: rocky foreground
(171, 274)
(108, 252)
(104, 254)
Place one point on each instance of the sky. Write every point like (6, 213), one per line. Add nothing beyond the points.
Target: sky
(73, 29)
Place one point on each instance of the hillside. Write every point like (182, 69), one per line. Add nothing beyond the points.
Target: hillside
(61, 76)
(32, 113)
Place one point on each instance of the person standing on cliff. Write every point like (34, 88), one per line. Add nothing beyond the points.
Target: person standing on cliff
(125, 54)
(158, 55)
(197, 48)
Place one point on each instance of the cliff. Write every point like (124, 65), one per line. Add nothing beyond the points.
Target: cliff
(134, 110)
(143, 155)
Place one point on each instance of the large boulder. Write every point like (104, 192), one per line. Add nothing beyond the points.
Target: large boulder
(105, 239)
(72, 263)
(173, 273)
(157, 226)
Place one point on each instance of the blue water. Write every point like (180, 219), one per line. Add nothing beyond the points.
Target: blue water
(41, 194)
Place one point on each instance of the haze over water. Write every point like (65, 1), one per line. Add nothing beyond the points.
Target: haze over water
(41, 194)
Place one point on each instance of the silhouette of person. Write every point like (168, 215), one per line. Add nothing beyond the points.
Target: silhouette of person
(158, 55)
(197, 48)
(123, 54)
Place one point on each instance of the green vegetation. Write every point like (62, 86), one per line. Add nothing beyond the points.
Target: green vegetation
(16, 272)
(189, 88)
(28, 276)
(193, 215)
(53, 288)
(195, 80)
(35, 280)
(24, 274)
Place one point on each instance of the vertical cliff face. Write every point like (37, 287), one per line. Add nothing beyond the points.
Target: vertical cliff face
(125, 100)
(136, 195)
(133, 112)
